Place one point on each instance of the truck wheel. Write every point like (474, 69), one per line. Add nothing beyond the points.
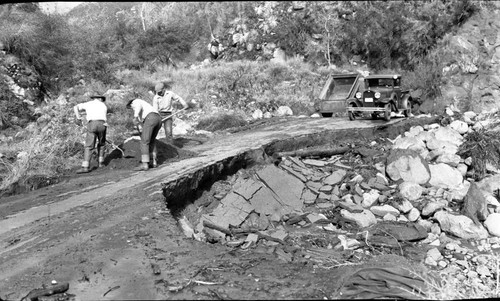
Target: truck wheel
(387, 112)
(350, 114)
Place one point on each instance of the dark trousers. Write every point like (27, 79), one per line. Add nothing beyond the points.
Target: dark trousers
(150, 129)
(96, 137)
(167, 124)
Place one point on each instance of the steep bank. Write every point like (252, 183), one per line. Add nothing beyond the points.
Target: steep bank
(471, 76)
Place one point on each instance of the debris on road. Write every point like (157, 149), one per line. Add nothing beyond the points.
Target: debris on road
(48, 290)
(156, 269)
(110, 290)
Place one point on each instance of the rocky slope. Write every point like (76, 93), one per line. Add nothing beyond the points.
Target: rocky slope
(413, 196)
(471, 79)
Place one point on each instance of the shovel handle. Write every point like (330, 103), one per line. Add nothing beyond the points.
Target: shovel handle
(172, 115)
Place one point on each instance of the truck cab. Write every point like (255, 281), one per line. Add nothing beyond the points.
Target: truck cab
(382, 95)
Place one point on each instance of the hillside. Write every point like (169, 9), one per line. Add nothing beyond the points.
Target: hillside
(471, 70)
(271, 54)
(102, 41)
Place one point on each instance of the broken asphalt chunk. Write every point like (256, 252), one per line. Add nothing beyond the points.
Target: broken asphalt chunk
(313, 162)
(298, 175)
(48, 290)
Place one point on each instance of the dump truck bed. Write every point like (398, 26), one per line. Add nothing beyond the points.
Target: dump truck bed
(337, 89)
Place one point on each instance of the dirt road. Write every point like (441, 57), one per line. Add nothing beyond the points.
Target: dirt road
(110, 235)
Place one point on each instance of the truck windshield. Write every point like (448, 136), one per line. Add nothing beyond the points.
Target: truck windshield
(340, 87)
(382, 82)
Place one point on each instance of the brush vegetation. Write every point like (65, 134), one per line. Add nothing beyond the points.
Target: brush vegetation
(483, 147)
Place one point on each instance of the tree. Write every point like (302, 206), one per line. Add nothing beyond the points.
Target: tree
(163, 43)
(40, 41)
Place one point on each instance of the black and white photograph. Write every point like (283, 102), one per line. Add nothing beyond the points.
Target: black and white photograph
(250, 150)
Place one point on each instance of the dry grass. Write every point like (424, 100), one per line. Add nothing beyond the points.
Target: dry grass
(43, 151)
(34, 159)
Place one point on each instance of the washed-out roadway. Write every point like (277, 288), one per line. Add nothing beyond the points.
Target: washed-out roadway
(103, 232)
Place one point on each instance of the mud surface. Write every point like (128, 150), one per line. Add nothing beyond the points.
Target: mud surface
(167, 152)
(116, 238)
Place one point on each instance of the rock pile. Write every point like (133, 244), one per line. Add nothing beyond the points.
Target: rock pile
(417, 191)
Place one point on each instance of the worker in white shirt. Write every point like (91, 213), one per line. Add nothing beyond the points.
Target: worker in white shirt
(95, 111)
(145, 114)
(163, 102)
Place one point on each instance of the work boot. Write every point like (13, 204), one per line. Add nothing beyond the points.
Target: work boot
(83, 170)
(142, 167)
(155, 164)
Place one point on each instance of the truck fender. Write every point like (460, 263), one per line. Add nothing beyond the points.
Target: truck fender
(407, 98)
(393, 100)
(352, 102)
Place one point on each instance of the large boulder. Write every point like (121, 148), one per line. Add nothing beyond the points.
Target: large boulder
(445, 176)
(450, 159)
(257, 114)
(475, 204)
(441, 146)
(284, 111)
(492, 223)
(409, 142)
(407, 165)
(362, 219)
(460, 126)
(490, 186)
(448, 134)
(425, 136)
(410, 191)
(460, 226)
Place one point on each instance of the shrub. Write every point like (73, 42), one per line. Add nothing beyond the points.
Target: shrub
(11, 106)
(44, 43)
(163, 43)
(483, 147)
(44, 152)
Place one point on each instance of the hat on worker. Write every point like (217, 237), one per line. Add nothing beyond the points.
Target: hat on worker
(130, 97)
(159, 87)
(97, 95)
(167, 83)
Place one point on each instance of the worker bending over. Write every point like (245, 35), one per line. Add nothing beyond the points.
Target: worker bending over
(150, 119)
(95, 111)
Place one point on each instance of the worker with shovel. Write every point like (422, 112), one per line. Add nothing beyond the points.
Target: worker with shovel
(150, 119)
(96, 111)
(163, 103)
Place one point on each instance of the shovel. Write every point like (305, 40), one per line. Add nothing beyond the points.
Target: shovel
(114, 146)
(163, 120)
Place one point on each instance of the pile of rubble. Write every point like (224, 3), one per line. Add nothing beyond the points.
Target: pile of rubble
(415, 196)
